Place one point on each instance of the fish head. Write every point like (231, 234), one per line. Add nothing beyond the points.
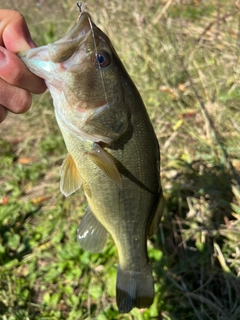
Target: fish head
(90, 87)
(82, 61)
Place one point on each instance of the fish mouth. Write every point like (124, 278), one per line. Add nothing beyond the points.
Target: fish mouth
(44, 60)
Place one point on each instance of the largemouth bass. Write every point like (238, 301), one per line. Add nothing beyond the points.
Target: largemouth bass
(113, 151)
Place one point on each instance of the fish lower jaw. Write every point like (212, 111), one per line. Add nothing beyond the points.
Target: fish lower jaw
(39, 53)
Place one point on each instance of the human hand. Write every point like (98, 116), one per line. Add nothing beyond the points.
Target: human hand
(16, 81)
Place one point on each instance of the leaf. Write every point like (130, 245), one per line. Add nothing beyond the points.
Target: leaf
(177, 125)
(40, 199)
(95, 292)
(14, 241)
(4, 200)
(25, 160)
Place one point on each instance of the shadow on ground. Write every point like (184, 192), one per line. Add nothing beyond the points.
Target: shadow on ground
(199, 282)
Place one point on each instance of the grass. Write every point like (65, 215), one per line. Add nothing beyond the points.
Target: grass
(184, 57)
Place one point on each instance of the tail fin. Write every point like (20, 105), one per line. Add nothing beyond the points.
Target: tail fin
(134, 289)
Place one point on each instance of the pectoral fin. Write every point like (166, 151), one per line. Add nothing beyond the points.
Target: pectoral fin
(70, 177)
(157, 217)
(104, 161)
(91, 234)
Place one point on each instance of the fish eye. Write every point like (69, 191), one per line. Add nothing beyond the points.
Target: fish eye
(102, 59)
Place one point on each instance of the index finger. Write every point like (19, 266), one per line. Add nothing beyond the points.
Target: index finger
(15, 37)
(14, 33)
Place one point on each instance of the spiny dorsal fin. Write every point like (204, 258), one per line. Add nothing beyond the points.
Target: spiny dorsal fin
(104, 161)
(91, 234)
(70, 177)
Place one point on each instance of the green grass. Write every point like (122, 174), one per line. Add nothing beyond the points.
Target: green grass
(183, 57)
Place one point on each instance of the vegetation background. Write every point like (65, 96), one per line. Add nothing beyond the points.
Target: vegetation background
(183, 56)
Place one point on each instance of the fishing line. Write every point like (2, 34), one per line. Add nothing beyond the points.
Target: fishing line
(79, 4)
(105, 93)
(82, 9)
(95, 47)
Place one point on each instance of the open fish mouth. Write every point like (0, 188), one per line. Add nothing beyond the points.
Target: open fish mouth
(63, 53)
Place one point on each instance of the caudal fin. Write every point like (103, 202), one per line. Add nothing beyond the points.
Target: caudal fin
(134, 289)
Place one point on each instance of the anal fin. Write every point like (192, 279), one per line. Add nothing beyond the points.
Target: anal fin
(91, 234)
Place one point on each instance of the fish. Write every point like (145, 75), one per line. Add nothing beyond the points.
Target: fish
(113, 152)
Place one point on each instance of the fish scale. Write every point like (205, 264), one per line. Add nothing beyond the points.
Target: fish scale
(112, 151)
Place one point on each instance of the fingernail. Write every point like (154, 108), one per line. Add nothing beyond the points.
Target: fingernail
(31, 43)
(3, 113)
(3, 59)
